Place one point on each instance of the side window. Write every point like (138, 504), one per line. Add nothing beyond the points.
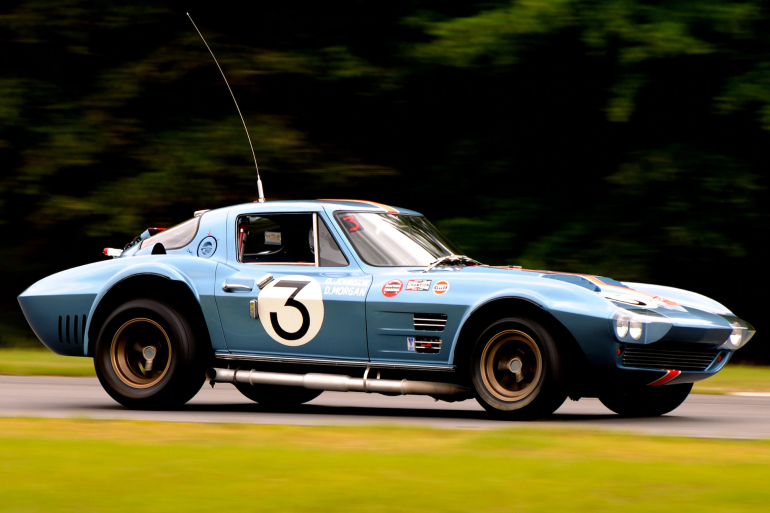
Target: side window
(329, 254)
(276, 239)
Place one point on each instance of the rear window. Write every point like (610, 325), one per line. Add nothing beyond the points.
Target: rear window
(176, 237)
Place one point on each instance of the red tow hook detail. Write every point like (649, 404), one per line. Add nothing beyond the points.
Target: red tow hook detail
(670, 374)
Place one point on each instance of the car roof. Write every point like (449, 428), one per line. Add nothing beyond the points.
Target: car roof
(330, 205)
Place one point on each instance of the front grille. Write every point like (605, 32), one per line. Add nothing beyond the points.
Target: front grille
(429, 322)
(667, 355)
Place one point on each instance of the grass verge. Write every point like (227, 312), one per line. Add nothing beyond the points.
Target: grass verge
(42, 362)
(736, 378)
(83, 465)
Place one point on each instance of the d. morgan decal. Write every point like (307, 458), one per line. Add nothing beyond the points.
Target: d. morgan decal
(291, 309)
(392, 288)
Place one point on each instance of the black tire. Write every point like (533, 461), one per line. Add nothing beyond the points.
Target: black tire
(178, 368)
(647, 401)
(532, 388)
(277, 396)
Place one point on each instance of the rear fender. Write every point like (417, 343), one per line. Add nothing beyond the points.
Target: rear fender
(169, 272)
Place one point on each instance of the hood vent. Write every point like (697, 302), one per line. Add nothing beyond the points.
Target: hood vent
(429, 322)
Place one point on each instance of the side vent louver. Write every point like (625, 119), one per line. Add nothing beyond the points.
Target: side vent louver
(75, 336)
(427, 344)
(429, 322)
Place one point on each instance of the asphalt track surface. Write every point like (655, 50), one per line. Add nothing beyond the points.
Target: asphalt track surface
(717, 416)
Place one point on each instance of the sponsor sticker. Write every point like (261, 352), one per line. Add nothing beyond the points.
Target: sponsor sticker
(410, 343)
(418, 285)
(392, 288)
(441, 287)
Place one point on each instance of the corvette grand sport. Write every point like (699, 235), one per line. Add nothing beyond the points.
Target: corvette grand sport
(286, 299)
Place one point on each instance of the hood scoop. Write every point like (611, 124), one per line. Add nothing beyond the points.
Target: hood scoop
(573, 279)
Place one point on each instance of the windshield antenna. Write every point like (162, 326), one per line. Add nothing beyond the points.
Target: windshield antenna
(259, 180)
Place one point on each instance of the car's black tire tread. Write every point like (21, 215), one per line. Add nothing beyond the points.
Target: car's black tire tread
(647, 401)
(186, 372)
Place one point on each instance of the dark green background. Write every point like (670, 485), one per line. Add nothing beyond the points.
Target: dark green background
(621, 138)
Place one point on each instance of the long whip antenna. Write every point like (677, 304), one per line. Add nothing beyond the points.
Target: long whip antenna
(259, 180)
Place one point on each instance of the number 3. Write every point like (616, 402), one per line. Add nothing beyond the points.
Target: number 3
(298, 285)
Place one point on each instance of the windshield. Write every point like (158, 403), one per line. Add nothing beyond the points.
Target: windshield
(392, 240)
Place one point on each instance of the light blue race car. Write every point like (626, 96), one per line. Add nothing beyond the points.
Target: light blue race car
(287, 299)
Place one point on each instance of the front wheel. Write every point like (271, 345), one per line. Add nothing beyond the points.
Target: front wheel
(147, 357)
(517, 371)
(647, 401)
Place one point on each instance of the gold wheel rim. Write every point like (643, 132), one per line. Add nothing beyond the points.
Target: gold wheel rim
(511, 365)
(130, 349)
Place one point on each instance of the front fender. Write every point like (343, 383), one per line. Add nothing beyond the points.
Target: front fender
(583, 313)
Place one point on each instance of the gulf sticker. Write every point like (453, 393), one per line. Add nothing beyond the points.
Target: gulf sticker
(441, 287)
(392, 288)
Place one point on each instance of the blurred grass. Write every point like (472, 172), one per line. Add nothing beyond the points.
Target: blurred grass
(41, 362)
(84, 465)
(736, 378)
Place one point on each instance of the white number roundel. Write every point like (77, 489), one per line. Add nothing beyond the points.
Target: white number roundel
(291, 309)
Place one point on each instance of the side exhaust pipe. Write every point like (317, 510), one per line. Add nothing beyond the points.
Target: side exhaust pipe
(337, 383)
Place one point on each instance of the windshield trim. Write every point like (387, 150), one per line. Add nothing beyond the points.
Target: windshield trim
(353, 246)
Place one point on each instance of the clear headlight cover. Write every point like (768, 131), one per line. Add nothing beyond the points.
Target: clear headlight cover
(741, 334)
(621, 326)
(635, 329)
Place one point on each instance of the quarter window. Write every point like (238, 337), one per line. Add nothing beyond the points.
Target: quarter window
(176, 237)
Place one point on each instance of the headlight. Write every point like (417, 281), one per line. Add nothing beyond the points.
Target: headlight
(736, 335)
(639, 325)
(621, 326)
(741, 334)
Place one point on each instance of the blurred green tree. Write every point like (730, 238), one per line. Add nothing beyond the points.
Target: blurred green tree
(616, 137)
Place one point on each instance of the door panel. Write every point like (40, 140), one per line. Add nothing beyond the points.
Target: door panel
(305, 311)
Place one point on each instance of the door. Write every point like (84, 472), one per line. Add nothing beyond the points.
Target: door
(291, 290)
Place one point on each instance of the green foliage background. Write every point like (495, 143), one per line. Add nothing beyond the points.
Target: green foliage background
(616, 137)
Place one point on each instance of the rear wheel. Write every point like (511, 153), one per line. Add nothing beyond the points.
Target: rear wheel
(647, 401)
(272, 395)
(517, 371)
(147, 357)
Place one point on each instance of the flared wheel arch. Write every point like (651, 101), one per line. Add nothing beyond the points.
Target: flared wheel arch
(150, 286)
(492, 311)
